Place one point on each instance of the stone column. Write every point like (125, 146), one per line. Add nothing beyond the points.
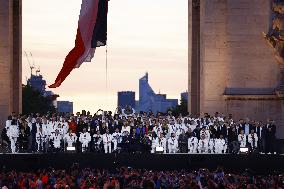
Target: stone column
(194, 56)
(10, 58)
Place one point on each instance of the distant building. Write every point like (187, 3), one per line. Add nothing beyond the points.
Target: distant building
(150, 101)
(37, 83)
(126, 98)
(65, 107)
(184, 95)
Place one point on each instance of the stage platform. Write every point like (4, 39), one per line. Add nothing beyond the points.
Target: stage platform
(256, 162)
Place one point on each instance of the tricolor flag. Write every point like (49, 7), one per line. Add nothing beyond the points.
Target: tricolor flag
(91, 33)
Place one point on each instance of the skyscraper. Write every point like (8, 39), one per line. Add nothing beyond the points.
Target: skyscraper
(65, 107)
(126, 98)
(150, 101)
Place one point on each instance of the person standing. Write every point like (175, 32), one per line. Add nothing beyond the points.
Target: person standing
(33, 127)
(183, 142)
(270, 137)
(97, 139)
(107, 138)
(233, 145)
(252, 140)
(220, 145)
(212, 142)
(242, 139)
(173, 144)
(24, 137)
(192, 143)
(163, 142)
(116, 139)
(70, 138)
(13, 134)
(40, 140)
(85, 139)
(258, 130)
(154, 142)
(56, 139)
(203, 145)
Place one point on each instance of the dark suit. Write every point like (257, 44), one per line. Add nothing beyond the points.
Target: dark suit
(270, 138)
(222, 130)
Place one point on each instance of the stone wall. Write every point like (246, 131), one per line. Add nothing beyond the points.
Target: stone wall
(235, 55)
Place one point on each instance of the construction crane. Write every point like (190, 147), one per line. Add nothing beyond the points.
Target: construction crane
(37, 71)
(31, 66)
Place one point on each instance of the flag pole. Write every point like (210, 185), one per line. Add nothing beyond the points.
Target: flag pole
(106, 84)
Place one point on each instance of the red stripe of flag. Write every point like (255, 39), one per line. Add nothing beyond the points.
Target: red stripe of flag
(83, 47)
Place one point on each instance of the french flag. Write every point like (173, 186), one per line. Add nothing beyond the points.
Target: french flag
(91, 33)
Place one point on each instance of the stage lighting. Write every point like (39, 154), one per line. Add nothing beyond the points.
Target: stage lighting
(244, 150)
(159, 150)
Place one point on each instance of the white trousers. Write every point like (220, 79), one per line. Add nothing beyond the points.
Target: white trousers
(220, 149)
(38, 145)
(253, 145)
(212, 150)
(172, 149)
(13, 144)
(114, 145)
(107, 147)
(202, 150)
(56, 144)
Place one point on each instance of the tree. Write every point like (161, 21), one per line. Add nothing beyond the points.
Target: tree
(181, 108)
(35, 102)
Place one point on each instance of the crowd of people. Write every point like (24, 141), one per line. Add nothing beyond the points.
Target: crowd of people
(143, 132)
(129, 178)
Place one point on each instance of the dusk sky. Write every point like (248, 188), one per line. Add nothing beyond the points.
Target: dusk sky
(143, 36)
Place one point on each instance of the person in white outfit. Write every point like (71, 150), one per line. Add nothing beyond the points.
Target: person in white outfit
(56, 138)
(98, 138)
(70, 138)
(85, 139)
(13, 134)
(212, 142)
(173, 144)
(154, 142)
(163, 142)
(192, 144)
(242, 139)
(220, 145)
(203, 145)
(40, 139)
(116, 139)
(253, 139)
(107, 138)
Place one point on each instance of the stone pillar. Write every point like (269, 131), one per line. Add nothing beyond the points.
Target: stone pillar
(10, 58)
(194, 56)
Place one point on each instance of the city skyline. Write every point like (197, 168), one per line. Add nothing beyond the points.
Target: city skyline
(139, 41)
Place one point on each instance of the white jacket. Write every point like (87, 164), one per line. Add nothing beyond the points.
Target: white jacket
(85, 137)
(13, 131)
(107, 138)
